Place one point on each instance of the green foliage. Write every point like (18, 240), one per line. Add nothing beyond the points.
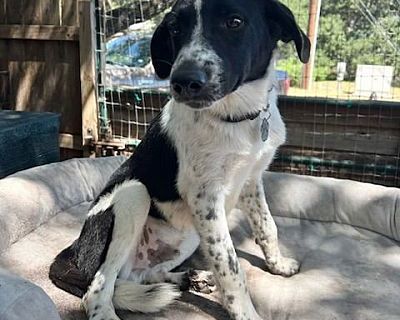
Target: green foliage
(292, 66)
(325, 68)
(353, 31)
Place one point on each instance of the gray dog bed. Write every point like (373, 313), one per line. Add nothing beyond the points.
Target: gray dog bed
(344, 233)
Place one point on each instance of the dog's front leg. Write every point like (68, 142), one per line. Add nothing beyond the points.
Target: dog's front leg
(252, 201)
(208, 204)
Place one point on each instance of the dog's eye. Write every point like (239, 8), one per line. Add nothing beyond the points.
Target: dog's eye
(172, 24)
(234, 22)
(174, 29)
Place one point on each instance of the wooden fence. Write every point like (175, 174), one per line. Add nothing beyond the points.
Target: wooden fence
(46, 64)
(357, 140)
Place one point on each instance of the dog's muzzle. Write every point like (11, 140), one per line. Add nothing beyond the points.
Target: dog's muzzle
(190, 86)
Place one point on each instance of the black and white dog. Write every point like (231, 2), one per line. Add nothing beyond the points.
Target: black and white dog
(202, 156)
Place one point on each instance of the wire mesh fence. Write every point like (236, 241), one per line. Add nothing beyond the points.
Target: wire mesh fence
(343, 115)
(129, 93)
(342, 110)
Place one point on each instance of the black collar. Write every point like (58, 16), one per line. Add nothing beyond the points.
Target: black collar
(236, 119)
(250, 116)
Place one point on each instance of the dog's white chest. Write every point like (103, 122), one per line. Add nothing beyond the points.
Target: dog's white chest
(210, 151)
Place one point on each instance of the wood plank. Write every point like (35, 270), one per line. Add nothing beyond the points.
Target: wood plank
(44, 76)
(61, 85)
(340, 156)
(323, 172)
(4, 76)
(69, 141)
(69, 16)
(352, 106)
(37, 32)
(379, 141)
(54, 72)
(71, 89)
(3, 15)
(346, 165)
(374, 121)
(25, 77)
(16, 53)
(14, 14)
(66, 154)
(3, 55)
(58, 84)
(88, 74)
(4, 90)
(343, 126)
(24, 51)
(49, 12)
(374, 117)
(31, 12)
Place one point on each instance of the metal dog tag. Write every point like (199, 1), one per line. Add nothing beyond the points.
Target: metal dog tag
(264, 129)
(265, 115)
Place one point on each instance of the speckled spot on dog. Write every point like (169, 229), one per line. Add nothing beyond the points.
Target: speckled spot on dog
(211, 240)
(152, 249)
(230, 299)
(211, 214)
(151, 253)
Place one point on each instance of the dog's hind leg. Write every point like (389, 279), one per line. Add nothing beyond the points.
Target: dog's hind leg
(253, 202)
(167, 258)
(129, 203)
(158, 266)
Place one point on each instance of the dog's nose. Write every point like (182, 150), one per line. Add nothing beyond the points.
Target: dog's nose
(188, 83)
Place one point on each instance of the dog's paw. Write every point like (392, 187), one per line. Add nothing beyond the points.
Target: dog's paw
(285, 267)
(201, 281)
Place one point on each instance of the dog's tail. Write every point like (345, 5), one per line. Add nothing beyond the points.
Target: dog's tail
(135, 297)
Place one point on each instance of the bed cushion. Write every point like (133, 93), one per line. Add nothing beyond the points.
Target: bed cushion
(30, 198)
(343, 232)
(20, 299)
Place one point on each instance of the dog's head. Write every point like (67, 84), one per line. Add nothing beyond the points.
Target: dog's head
(210, 48)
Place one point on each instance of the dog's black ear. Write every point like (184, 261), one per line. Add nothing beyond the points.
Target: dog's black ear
(287, 29)
(162, 51)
